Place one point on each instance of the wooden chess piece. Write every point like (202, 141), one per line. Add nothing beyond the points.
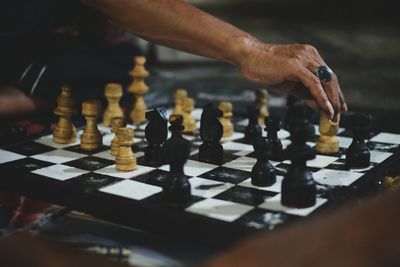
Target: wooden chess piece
(262, 102)
(392, 183)
(126, 160)
(91, 138)
(188, 121)
(226, 108)
(139, 89)
(64, 131)
(116, 123)
(179, 97)
(327, 142)
(113, 93)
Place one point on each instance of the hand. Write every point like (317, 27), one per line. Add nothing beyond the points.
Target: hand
(290, 69)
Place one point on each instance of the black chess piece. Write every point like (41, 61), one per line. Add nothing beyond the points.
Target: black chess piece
(290, 102)
(253, 129)
(263, 173)
(358, 155)
(211, 132)
(10, 133)
(176, 187)
(156, 133)
(272, 126)
(298, 186)
(300, 119)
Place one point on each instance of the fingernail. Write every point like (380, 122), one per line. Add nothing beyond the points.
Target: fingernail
(330, 109)
(345, 107)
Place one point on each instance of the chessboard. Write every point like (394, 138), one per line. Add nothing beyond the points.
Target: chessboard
(225, 206)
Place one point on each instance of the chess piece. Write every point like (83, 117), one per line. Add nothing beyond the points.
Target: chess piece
(211, 151)
(64, 131)
(262, 104)
(176, 187)
(298, 186)
(116, 123)
(263, 173)
(126, 160)
(300, 118)
(253, 129)
(272, 126)
(189, 122)
(226, 108)
(179, 96)
(156, 133)
(327, 142)
(138, 88)
(91, 138)
(358, 155)
(113, 93)
(290, 102)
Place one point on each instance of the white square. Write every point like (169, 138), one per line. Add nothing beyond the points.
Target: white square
(274, 203)
(207, 188)
(58, 156)
(105, 155)
(48, 141)
(285, 143)
(219, 209)
(344, 142)
(193, 168)
(7, 156)
(242, 163)
(379, 156)
(237, 147)
(283, 134)
(235, 136)
(386, 138)
(111, 171)
(107, 138)
(104, 129)
(60, 172)
(336, 177)
(131, 189)
(276, 187)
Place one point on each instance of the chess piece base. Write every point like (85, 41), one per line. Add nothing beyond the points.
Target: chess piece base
(327, 145)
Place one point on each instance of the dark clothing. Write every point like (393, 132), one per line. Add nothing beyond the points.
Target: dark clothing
(38, 55)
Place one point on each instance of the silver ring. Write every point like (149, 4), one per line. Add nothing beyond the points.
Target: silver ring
(324, 74)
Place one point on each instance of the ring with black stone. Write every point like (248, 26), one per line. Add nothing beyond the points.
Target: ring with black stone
(324, 74)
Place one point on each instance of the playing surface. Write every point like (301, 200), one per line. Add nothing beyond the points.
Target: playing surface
(225, 205)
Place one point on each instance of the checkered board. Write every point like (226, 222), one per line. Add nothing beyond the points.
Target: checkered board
(225, 205)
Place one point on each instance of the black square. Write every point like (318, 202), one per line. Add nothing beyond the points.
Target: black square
(391, 148)
(27, 164)
(92, 181)
(265, 220)
(158, 200)
(227, 157)
(245, 195)
(30, 148)
(226, 175)
(155, 177)
(90, 163)
(78, 149)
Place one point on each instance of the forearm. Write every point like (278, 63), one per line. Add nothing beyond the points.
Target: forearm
(179, 25)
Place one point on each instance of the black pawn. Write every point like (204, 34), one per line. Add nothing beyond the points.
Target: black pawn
(290, 102)
(262, 173)
(156, 133)
(253, 129)
(211, 132)
(358, 155)
(298, 186)
(272, 126)
(300, 119)
(176, 188)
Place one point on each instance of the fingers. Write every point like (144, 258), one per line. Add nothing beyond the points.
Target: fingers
(314, 85)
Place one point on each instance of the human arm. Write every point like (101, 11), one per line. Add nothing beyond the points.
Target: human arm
(174, 23)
